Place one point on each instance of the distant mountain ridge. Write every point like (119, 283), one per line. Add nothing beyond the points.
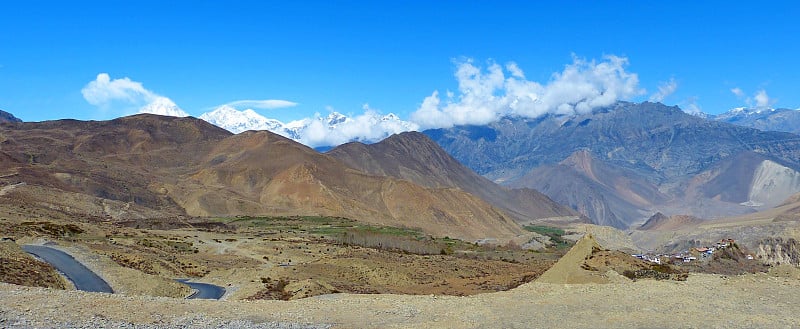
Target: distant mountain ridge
(306, 130)
(766, 119)
(665, 151)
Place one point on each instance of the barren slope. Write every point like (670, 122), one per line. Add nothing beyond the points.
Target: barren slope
(148, 166)
(609, 195)
(415, 157)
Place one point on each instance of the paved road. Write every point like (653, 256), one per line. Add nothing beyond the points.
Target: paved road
(83, 278)
(204, 290)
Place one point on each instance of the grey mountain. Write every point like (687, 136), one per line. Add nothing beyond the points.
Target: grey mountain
(632, 160)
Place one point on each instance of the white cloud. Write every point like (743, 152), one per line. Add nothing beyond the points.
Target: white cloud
(486, 95)
(690, 106)
(265, 104)
(762, 100)
(125, 93)
(664, 89)
(103, 91)
(759, 100)
(336, 129)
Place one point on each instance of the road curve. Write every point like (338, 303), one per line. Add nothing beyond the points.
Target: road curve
(83, 278)
(203, 290)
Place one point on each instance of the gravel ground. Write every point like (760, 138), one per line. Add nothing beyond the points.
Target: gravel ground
(703, 301)
(18, 321)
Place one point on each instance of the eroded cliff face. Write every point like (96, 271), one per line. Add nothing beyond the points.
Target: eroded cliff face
(777, 251)
(773, 183)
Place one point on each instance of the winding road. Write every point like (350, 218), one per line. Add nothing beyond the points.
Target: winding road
(83, 278)
(203, 290)
(86, 280)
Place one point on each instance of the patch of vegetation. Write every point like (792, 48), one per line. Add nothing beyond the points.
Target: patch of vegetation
(273, 289)
(17, 267)
(50, 229)
(134, 262)
(555, 234)
(277, 220)
(392, 239)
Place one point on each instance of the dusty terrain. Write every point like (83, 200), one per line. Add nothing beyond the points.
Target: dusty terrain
(276, 257)
(707, 301)
(288, 258)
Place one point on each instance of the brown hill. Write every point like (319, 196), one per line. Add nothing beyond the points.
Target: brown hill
(119, 160)
(660, 221)
(415, 157)
(150, 164)
(8, 117)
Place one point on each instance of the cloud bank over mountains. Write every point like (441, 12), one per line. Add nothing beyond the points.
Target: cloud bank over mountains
(333, 129)
(485, 94)
(759, 100)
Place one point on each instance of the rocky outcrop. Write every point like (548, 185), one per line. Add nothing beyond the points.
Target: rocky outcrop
(773, 183)
(777, 251)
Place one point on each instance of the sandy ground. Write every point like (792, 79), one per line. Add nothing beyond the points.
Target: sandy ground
(707, 301)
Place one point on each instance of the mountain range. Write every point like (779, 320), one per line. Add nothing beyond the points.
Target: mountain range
(620, 164)
(150, 166)
(327, 131)
(570, 158)
(615, 166)
(766, 119)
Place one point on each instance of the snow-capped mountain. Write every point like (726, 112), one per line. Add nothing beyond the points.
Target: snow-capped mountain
(163, 106)
(740, 113)
(237, 121)
(767, 119)
(330, 130)
(335, 118)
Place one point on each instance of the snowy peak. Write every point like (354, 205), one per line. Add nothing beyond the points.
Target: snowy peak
(163, 106)
(739, 113)
(237, 121)
(766, 119)
(331, 130)
(335, 118)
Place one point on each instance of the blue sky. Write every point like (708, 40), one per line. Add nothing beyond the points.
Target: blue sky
(340, 55)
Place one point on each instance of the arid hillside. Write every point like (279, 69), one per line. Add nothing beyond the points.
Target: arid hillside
(415, 157)
(148, 166)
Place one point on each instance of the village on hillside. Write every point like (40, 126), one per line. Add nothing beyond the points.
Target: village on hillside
(690, 255)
